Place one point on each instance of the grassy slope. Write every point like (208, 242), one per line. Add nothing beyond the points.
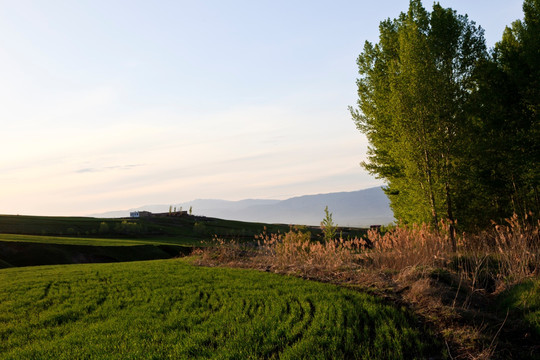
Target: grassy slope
(69, 240)
(523, 300)
(169, 308)
(29, 250)
(187, 230)
(46, 225)
(43, 240)
(16, 254)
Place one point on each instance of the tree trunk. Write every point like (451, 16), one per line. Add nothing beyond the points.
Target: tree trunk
(450, 216)
(434, 216)
(519, 206)
(449, 210)
(537, 201)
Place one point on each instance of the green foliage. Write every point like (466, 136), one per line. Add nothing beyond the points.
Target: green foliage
(103, 228)
(413, 90)
(128, 228)
(506, 117)
(170, 309)
(200, 228)
(328, 227)
(451, 129)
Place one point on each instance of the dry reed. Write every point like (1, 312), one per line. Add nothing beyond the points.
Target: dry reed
(408, 246)
(505, 254)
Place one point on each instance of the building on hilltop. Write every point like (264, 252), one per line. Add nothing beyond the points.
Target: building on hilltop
(171, 213)
(139, 214)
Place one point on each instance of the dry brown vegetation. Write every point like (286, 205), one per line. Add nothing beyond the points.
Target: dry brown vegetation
(414, 265)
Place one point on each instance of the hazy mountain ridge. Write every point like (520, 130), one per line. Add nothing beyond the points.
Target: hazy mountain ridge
(354, 208)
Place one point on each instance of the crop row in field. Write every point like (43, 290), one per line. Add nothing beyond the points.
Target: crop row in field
(171, 309)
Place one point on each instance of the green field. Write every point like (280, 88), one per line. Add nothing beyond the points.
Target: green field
(186, 230)
(48, 240)
(67, 240)
(133, 309)
(183, 230)
(23, 253)
(171, 309)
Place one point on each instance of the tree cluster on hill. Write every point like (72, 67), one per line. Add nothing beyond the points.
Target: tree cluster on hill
(453, 128)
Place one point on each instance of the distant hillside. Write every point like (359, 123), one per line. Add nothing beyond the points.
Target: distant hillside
(356, 208)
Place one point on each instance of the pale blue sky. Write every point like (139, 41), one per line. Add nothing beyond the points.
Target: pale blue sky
(108, 105)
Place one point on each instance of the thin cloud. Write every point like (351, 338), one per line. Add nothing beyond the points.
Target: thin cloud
(122, 167)
(108, 168)
(86, 170)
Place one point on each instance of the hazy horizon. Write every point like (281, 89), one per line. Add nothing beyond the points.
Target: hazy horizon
(141, 206)
(360, 208)
(112, 105)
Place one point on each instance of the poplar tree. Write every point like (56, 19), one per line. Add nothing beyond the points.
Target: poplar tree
(414, 89)
(507, 114)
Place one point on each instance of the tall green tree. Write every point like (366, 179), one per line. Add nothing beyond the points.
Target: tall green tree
(414, 89)
(517, 55)
(506, 111)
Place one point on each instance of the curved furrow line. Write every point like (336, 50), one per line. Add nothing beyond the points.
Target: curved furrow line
(308, 314)
(46, 290)
(215, 301)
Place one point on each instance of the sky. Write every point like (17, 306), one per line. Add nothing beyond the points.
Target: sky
(116, 104)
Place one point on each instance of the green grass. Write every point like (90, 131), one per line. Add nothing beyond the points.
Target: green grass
(29, 250)
(186, 230)
(171, 309)
(523, 300)
(76, 241)
(21, 253)
(48, 240)
(47, 225)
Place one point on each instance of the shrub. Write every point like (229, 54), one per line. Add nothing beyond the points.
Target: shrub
(103, 228)
(328, 227)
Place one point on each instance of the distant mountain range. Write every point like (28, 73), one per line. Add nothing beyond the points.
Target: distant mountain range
(355, 208)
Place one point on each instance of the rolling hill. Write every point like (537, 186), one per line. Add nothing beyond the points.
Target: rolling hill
(355, 208)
